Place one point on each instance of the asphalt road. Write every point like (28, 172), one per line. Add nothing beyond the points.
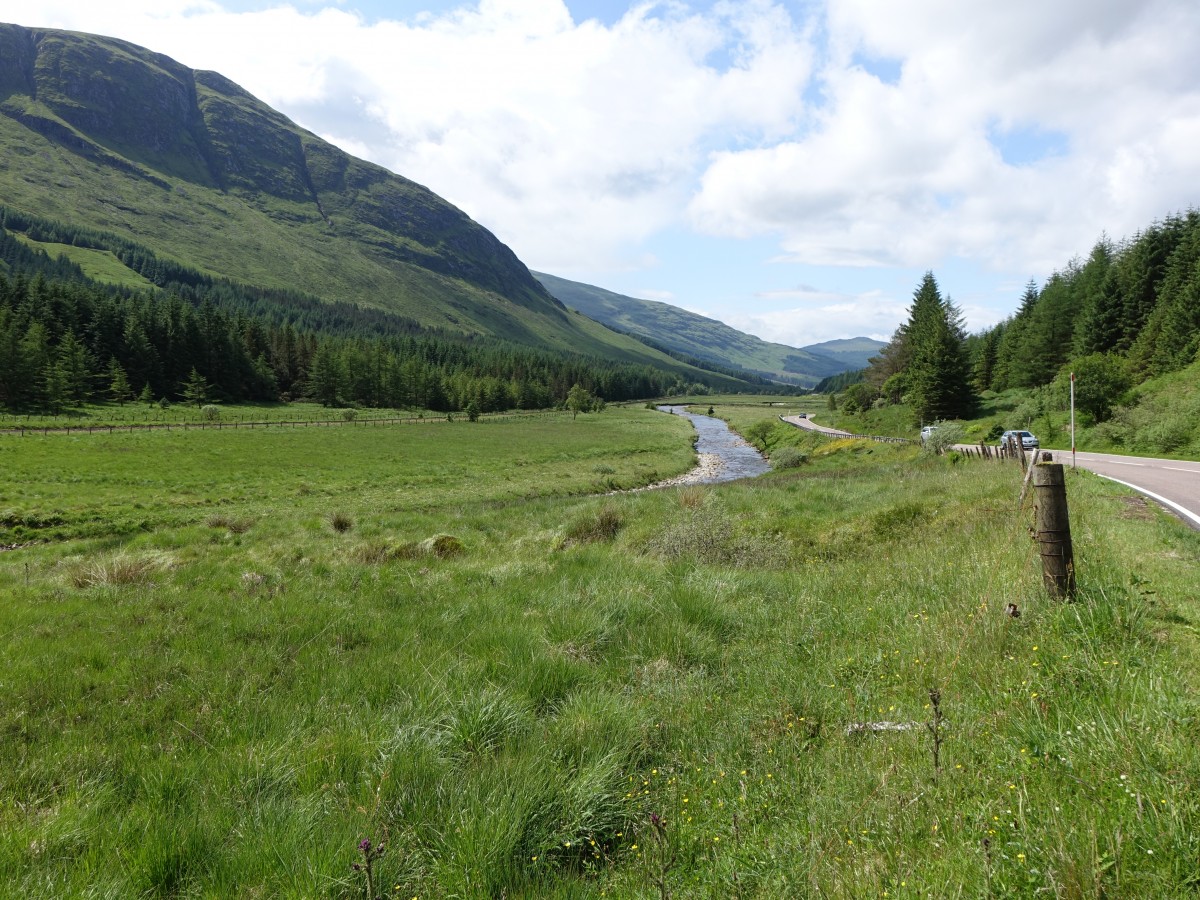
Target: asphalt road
(1174, 483)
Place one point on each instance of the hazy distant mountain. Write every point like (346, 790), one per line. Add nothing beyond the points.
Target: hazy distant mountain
(708, 339)
(853, 352)
(102, 134)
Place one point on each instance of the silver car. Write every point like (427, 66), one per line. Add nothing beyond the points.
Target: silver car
(1028, 440)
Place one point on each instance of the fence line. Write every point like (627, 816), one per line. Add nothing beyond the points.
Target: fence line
(22, 430)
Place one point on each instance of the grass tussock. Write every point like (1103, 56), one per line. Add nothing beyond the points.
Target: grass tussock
(232, 524)
(442, 546)
(594, 526)
(118, 570)
(341, 522)
(707, 533)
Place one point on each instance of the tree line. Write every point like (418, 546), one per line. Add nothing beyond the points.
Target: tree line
(1128, 312)
(65, 341)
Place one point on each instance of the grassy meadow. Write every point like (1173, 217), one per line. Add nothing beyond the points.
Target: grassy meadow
(229, 658)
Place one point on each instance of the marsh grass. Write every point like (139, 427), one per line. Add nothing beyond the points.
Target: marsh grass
(594, 526)
(509, 718)
(341, 522)
(119, 569)
(231, 524)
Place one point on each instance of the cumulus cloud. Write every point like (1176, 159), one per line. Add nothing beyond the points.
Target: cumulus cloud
(825, 317)
(910, 171)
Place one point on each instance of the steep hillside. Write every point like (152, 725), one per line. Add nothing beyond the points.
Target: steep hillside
(106, 135)
(709, 339)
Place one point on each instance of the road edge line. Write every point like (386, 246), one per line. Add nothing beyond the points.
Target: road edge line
(1183, 511)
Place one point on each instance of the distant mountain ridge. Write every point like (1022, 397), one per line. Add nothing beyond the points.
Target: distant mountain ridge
(708, 339)
(106, 135)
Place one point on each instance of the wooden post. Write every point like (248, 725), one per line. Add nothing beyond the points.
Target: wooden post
(1053, 530)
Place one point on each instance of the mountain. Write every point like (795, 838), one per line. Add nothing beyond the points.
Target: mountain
(854, 353)
(105, 135)
(707, 339)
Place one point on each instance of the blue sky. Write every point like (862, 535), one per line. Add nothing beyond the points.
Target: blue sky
(792, 168)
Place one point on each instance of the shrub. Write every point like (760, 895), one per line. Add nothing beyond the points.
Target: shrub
(349, 415)
(943, 437)
(210, 413)
(788, 458)
(759, 433)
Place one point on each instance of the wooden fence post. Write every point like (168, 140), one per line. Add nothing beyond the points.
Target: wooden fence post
(1053, 530)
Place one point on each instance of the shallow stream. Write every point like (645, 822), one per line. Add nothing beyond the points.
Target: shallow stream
(724, 454)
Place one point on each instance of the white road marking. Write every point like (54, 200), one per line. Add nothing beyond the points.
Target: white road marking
(1186, 513)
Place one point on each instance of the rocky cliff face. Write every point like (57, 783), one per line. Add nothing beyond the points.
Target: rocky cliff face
(168, 139)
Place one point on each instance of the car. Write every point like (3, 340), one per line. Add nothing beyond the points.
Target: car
(927, 432)
(1028, 441)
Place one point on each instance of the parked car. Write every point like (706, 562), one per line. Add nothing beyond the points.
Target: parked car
(1028, 441)
(927, 432)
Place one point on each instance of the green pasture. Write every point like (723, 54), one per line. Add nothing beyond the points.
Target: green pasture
(228, 658)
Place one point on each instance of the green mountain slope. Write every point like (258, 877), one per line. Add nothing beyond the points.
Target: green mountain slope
(106, 135)
(709, 339)
(854, 353)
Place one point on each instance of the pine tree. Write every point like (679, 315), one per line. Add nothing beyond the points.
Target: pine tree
(195, 389)
(119, 390)
(937, 374)
(325, 380)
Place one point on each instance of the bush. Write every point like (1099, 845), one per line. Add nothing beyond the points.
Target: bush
(788, 458)
(943, 437)
(210, 413)
(349, 415)
(759, 433)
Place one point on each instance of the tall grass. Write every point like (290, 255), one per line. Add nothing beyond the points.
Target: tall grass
(509, 718)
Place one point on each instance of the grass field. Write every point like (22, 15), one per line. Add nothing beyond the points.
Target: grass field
(241, 654)
(99, 265)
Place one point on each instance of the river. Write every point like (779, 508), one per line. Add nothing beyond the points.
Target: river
(724, 454)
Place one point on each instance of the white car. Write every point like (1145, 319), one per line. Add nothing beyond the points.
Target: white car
(927, 432)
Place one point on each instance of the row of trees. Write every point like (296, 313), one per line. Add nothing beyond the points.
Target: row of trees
(1131, 310)
(1128, 312)
(64, 342)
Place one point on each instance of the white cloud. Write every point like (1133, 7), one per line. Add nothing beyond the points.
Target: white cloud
(905, 174)
(870, 314)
